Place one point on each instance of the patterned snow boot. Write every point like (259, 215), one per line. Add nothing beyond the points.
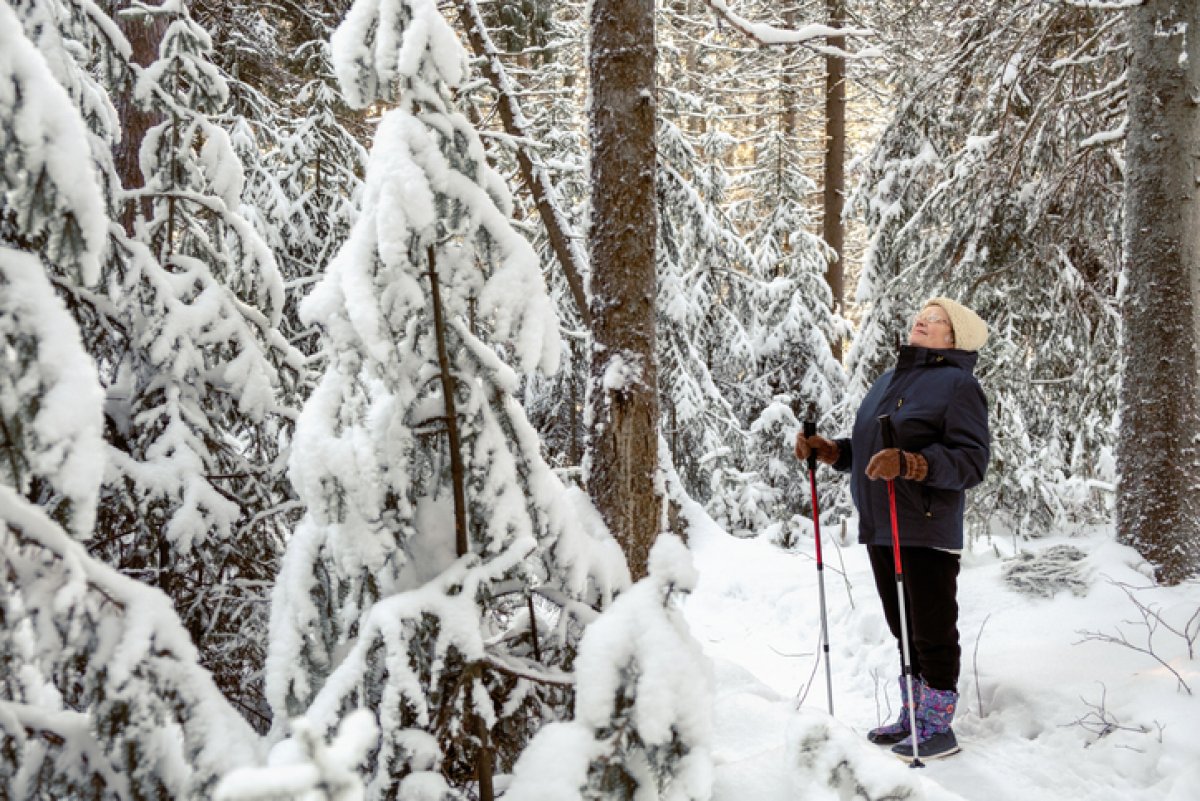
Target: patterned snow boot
(893, 733)
(935, 737)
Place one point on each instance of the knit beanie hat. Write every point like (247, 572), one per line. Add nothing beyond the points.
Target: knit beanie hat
(970, 332)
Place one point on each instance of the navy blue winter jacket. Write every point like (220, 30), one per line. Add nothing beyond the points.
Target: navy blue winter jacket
(938, 410)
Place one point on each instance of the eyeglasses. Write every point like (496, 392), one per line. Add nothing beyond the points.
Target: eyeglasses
(930, 318)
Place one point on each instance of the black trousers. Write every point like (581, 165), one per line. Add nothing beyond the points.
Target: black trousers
(931, 607)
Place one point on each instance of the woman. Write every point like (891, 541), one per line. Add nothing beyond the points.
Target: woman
(939, 414)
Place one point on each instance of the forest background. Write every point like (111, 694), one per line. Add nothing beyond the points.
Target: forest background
(305, 311)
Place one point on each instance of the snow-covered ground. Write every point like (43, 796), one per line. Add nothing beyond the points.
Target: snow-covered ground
(1047, 710)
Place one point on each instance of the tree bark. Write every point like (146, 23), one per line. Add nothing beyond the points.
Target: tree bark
(144, 33)
(835, 161)
(458, 473)
(622, 453)
(484, 767)
(1158, 453)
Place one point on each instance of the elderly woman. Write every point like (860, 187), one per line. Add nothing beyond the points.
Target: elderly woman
(939, 414)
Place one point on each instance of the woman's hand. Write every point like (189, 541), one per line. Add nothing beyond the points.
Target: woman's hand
(826, 450)
(889, 462)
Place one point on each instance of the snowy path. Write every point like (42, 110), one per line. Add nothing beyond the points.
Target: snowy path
(756, 613)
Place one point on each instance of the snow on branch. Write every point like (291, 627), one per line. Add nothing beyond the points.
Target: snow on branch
(134, 655)
(53, 386)
(528, 670)
(47, 159)
(64, 728)
(1105, 5)
(806, 35)
(305, 766)
(1104, 138)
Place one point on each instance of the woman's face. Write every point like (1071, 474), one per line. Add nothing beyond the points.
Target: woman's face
(931, 329)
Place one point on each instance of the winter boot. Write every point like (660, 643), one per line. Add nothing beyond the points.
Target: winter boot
(935, 737)
(893, 733)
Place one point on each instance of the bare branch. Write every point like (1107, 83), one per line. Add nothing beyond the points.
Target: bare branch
(1151, 621)
(975, 663)
(1102, 723)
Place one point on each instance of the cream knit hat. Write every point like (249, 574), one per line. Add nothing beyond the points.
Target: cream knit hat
(970, 332)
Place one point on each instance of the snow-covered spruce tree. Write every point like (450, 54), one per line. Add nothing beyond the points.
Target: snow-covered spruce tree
(52, 212)
(51, 459)
(319, 165)
(796, 375)
(768, 288)
(103, 694)
(289, 128)
(432, 518)
(197, 501)
(302, 176)
(642, 727)
(52, 199)
(534, 93)
(100, 691)
(996, 183)
(704, 314)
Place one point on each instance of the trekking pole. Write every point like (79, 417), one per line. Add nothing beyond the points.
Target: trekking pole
(889, 439)
(810, 429)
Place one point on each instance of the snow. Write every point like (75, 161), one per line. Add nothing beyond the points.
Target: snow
(139, 640)
(623, 372)
(370, 56)
(804, 34)
(66, 428)
(222, 166)
(980, 143)
(639, 651)
(304, 767)
(47, 141)
(1106, 137)
(1051, 706)
(561, 753)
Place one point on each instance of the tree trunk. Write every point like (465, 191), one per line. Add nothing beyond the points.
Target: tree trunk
(144, 33)
(484, 767)
(458, 473)
(835, 160)
(1158, 501)
(622, 390)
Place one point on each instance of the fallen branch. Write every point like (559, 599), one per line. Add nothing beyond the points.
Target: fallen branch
(1151, 621)
(1102, 723)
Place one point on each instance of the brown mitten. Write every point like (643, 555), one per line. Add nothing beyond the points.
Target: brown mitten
(826, 450)
(889, 462)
